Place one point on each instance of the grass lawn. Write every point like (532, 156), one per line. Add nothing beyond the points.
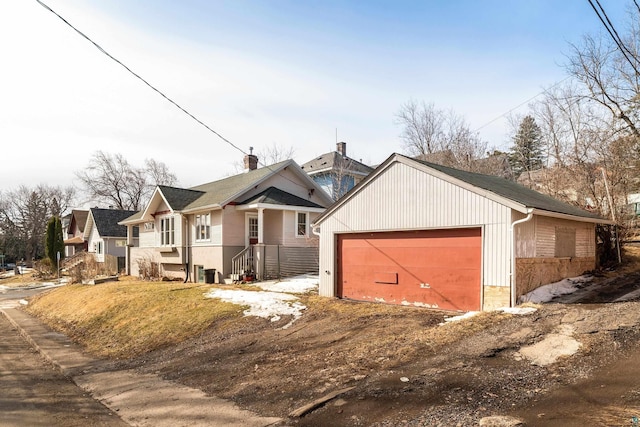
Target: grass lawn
(129, 317)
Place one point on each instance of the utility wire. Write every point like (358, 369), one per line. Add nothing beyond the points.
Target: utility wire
(139, 77)
(522, 103)
(611, 32)
(620, 41)
(158, 91)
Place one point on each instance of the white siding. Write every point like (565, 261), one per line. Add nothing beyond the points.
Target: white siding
(405, 198)
(147, 238)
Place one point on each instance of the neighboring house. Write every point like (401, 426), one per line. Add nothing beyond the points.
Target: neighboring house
(256, 222)
(420, 234)
(74, 240)
(107, 239)
(335, 172)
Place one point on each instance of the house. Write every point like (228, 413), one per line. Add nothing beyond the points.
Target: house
(416, 233)
(74, 240)
(335, 172)
(107, 239)
(253, 223)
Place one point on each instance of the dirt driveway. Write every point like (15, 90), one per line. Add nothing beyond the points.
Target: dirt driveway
(408, 370)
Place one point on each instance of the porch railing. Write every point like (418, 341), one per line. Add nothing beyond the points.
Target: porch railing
(268, 262)
(242, 263)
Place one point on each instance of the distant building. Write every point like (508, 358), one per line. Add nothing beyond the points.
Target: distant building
(335, 172)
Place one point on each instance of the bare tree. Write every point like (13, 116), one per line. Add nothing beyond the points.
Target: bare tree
(422, 131)
(111, 180)
(23, 218)
(442, 136)
(610, 74)
(267, 156)
(275, 153)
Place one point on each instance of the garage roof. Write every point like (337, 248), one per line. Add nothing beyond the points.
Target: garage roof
(492, 186)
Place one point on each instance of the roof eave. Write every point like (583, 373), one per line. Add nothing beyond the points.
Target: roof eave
(559, 215)
(272, 206)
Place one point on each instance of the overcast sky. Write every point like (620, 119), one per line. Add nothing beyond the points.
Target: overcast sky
(261, 73)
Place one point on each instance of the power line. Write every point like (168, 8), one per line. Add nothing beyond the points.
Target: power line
(140, 78)
(522, 103)
(611, 30)
(157, 90)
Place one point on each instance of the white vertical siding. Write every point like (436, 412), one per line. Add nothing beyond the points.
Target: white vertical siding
(405, 198)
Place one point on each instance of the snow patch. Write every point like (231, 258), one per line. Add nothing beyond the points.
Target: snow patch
(24, 302)
(294, 285)
(3, 289)
(460, 317)
(268, 305)
(547, 292)
(518, 310)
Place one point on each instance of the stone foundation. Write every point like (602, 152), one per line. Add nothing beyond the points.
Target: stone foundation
(532, 273)
(496, 297)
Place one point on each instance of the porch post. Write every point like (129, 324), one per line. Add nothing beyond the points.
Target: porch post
(260, 226)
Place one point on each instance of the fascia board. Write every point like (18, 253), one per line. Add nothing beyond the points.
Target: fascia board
(206, 208)
(271, 206)
(88, 226)
(551, 214)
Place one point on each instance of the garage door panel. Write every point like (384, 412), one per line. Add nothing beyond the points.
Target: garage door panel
(402, 257)
(437, 268)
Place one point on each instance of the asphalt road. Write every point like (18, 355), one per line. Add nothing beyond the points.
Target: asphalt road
(33, 393)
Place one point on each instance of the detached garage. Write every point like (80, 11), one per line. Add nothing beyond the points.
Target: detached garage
(420, 234)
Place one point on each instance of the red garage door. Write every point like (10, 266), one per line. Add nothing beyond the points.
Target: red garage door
(430, 268)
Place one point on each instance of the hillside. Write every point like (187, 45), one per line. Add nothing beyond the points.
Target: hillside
(404, 366)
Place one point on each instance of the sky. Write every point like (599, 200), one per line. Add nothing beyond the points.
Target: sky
(287, 73)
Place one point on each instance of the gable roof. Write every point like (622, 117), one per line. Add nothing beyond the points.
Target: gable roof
(275, 196)
(106, 221)
(78, 217)
(499, 189)
(335, 160)
(218, 192)
(513, 191)
(179, 198)
(221, 192)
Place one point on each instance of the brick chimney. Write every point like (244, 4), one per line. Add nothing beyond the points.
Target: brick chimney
(250, 161)
(341, 147)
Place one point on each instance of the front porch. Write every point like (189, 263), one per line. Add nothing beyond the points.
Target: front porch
(268, 262)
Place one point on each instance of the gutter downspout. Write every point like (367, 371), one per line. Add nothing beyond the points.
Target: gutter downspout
(313, 230)
(513, 253)
(187, 233)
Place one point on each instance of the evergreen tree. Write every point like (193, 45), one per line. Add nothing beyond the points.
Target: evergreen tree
(526, 153)
(54, 242)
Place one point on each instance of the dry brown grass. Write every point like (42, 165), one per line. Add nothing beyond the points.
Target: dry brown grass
(631, 259)
(127, 318)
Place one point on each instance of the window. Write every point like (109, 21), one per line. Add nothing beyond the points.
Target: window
(148, 226)
(167, 234)
(301, 224)
(565, 242)
(98, 247)
(121, 243)
(253, 227)
(203, 226)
